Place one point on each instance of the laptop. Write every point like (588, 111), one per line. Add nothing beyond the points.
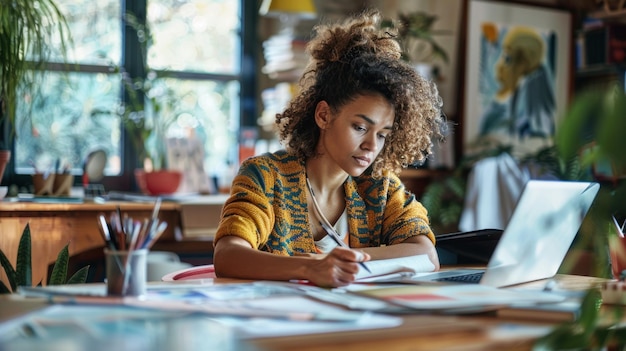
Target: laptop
(468, 247)
(547, 216)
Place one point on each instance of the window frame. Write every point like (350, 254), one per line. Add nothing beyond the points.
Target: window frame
(136, 67)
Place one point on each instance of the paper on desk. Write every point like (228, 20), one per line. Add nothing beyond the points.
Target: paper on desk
(433, 297)
(329, 318)
(383, 270)
(258, 309)
(100, 328)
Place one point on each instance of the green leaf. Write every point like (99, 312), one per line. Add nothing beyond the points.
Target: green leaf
(79, 277)
(59, 272)
(579, 334)
(9, 270)
(578, 124)
(23, 268)
(590, 309)
(563, 337)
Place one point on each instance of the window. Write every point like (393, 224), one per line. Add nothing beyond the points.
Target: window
(197, 52)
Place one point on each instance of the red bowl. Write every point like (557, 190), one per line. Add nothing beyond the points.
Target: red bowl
(162, 182)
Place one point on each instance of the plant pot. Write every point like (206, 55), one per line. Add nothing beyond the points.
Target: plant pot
(162, 182)
(5, 157)
(140, 179)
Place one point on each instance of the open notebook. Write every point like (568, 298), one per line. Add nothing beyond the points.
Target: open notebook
(534, 243)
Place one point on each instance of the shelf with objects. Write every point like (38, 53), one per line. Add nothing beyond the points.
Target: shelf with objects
(601, 50)
(284, 28)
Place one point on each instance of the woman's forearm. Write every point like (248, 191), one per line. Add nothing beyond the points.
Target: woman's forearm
(236, 259)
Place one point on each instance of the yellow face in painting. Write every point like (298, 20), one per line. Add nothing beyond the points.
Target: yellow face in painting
(522, 53)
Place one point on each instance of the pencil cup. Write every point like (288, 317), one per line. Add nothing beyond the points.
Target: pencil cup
(126, 272)
(43, 183)
(62, 184)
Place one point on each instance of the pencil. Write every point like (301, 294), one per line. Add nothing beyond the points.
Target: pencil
(333, 235)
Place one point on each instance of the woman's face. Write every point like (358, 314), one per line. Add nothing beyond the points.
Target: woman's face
(355, 135)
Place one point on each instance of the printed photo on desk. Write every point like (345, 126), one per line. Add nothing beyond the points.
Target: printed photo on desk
(282, 308)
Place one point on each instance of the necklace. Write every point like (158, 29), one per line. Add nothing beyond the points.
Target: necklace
(328, 228)
(316, 206)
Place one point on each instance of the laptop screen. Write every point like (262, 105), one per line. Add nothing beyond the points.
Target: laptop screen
(541, 230)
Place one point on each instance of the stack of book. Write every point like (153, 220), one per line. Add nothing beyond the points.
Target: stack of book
(285, 56)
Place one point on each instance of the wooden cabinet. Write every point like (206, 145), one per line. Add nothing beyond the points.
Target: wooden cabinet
(55, 225)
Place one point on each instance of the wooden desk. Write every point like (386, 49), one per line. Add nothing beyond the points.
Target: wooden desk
(55, 225)
(430, 332)
(418, 332)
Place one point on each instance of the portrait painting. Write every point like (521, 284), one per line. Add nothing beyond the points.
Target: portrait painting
(517, 74)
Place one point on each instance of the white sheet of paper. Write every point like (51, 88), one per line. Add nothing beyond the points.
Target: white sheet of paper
(405, 266)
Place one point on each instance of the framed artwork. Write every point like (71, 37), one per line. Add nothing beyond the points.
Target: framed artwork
(517, 79)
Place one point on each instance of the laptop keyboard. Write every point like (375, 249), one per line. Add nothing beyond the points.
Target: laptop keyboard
(464, 278)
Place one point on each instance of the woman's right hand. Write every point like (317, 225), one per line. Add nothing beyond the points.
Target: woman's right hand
(337, 268)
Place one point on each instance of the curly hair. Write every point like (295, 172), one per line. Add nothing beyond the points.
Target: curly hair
(357, 58)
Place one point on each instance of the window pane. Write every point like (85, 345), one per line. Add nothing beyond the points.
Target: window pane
(72, 116)
(195, 35)
(96, 30)
(209, 111)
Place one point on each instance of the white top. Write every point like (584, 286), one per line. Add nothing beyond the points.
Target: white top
(327, 244)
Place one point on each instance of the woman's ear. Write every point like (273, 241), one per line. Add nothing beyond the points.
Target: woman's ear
(322, 114)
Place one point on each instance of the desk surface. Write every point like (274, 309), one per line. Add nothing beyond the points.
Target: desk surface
(417, 332)
(9, 208)
(429, 332)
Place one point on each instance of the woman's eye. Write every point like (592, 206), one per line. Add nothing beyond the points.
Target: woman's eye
(359, 128)
(382, 136)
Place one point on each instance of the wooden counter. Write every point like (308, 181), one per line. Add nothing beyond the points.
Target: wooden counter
(53, 225)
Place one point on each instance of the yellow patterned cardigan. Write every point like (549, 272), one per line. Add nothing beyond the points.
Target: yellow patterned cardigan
(268, 208)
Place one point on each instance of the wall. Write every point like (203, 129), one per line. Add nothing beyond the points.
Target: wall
(450, 14)
(449, 20)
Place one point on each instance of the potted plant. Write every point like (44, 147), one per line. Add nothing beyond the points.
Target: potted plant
(416, 36)
(21, 274)
(591, 135)
(146, 119)
(27, 30)
(149, 110)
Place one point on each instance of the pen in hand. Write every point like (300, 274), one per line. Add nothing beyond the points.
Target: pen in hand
(333, 235)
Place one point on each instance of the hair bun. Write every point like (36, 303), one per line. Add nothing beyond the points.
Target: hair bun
(352, 38)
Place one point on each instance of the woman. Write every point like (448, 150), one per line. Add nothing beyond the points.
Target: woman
(362, 114)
